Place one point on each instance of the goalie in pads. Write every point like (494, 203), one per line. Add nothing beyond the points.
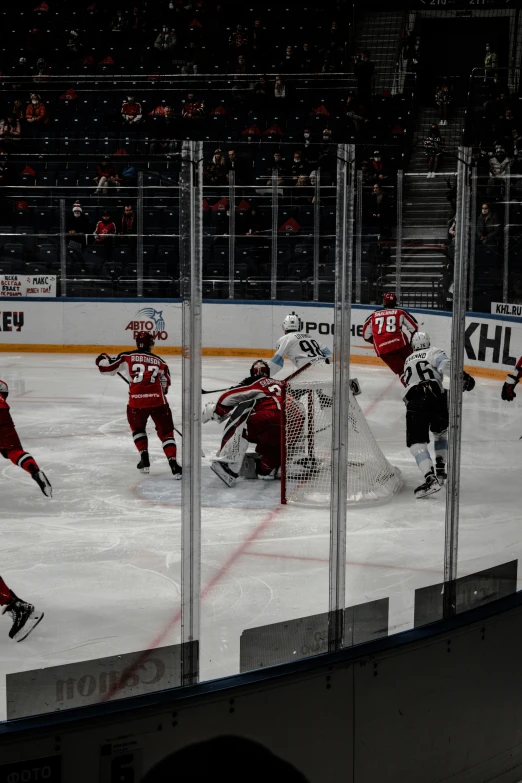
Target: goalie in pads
(253, 413)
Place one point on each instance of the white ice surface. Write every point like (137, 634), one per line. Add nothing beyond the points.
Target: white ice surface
(102, 558)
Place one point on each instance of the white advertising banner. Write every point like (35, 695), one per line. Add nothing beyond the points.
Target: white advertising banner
(27, 285)
(503, 308)
(491, 342)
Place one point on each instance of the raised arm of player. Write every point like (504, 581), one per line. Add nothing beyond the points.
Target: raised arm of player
(106, 364)
(408, 323)
(368, 330)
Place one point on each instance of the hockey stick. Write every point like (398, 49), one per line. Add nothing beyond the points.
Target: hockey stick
(212, 391)
(175, 428)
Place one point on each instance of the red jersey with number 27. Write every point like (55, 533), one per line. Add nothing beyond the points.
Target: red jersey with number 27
(149, 377)
(389, 330)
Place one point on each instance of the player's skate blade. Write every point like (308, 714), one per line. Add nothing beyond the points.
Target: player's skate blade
(43, 482)
(144, 463)
(225, 474)
(176, 469)
(430, 486)
(25, 619)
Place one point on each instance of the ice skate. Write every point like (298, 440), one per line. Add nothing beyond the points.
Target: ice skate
(43, 482)
(25, 618)
(222, 470)
(176, 469)
(144, 463)
(441, 470)
(430, 486)
(266, 476)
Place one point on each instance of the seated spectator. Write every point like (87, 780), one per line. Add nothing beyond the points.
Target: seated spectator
(433, 149)
(238, 38)
(368, 175)
(127, 221)
(104, 232)
(443, 100)
(131, 112)
(240, 167)
(74, 45)
(18, 111)
(166, 41)
(10, 132)
(36, 113)
(193, 108)
(488, 226)
(380, 169)
(241, 65)
(379, 209)
(260, 39)
(516, 143)
(307, 59)
(308, 144)
(499, 164)
(263, 93)
(106, 176)
(280, 93)
(276, 165)
(216, 170)
(290, 62)
(504, 127)
(42, 71)
(327, 156)
(298, 167)
(77, 227)
(164, 141)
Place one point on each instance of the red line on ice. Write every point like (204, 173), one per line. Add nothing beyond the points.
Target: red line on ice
(218, 576)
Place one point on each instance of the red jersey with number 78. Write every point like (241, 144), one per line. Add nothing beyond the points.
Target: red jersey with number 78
(149, 376)
(389, 330)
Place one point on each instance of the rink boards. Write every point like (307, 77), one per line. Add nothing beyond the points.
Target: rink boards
(239, 328)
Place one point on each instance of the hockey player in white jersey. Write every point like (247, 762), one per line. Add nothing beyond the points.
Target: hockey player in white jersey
(427, 409)
(298, 346)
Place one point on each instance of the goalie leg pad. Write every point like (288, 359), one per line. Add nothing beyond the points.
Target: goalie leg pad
(224, 472)
(250, 465)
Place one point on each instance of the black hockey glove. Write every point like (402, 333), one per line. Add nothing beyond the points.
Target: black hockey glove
(508, 389)
(100, 357)
(468, 382)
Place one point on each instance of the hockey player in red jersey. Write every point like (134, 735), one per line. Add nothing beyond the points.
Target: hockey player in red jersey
(390, 329)
(254, 411)
(11, 448)
(23, 615)
(149, 382)
(508, 389)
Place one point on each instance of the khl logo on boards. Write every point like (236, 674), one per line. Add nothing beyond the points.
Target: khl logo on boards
(11, 321)
(151, 321)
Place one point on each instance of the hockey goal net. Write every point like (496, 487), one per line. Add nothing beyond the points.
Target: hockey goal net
(306, 462)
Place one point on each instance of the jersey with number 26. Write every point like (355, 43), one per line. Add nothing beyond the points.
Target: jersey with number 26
(425, 365)
(149, 377)
(300, 348)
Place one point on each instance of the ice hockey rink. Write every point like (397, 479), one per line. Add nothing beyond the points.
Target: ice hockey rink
(102, 558)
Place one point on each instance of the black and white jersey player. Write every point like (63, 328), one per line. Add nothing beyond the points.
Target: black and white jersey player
(427, 409)
(298, 346)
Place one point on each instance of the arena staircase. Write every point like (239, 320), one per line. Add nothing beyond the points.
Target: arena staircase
(380, 34)
(426, 209)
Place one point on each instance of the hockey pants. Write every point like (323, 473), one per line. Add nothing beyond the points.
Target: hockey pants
(395, 359)
(162, 418)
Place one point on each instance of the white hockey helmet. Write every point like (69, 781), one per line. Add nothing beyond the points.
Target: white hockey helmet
(4, 388)
(420, 341)
(292, 323)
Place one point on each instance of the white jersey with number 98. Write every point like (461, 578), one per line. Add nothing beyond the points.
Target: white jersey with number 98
(300, 348)
(429, 364)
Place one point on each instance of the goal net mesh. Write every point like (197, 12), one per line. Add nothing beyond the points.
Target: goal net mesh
(307, 454)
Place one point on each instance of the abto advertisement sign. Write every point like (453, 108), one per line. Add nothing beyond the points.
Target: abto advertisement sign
(148, 319)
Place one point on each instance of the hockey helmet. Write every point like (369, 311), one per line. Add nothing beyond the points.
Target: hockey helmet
(389, 299)
(292, 323)
(144, 341)
(259, 367)
(4, 389)
(420, 341)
